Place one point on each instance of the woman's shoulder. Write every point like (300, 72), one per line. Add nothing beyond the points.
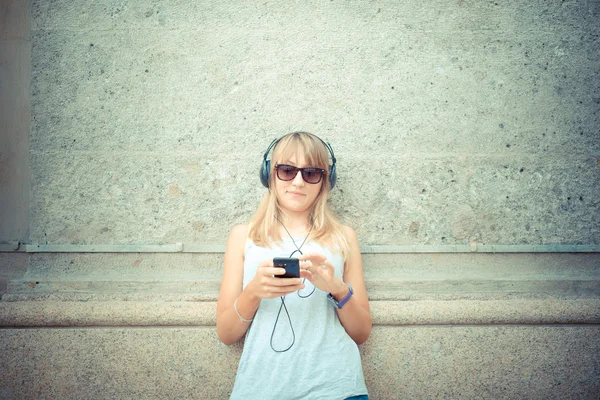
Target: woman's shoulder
(238, 240)
(238, 236)
(240, 230)
(349, 232)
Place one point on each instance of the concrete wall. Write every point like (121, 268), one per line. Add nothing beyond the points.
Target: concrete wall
(412, 362)
(453, 123)
(15, 74)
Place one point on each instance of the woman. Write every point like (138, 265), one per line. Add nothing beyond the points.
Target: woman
(301, 334)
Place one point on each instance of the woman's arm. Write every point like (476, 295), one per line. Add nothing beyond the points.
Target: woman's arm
(230, 326)
(355, 315)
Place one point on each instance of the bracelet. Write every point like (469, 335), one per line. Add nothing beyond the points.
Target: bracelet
(340, 304)
(238, 313)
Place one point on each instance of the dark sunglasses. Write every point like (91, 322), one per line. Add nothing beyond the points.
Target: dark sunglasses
(309, 174)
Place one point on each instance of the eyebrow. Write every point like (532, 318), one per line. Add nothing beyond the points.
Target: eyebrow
(293, 164)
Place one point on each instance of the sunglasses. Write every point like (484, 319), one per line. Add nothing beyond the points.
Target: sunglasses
(309, 174)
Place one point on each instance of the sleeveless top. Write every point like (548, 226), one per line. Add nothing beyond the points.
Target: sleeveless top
(323, 363)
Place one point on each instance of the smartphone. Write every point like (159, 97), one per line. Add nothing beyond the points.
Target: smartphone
(291, 265)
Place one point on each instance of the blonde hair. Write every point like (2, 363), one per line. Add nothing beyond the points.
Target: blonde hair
(326, 229)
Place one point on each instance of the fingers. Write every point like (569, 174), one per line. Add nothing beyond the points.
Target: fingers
(310, 260)
(268, 285)
(266, 268)
(324, 267)
(266, 263)
(315, 258)
(277, 287)
(304, 273)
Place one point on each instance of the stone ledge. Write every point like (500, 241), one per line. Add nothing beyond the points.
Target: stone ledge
(412, 362)
(378, 290)
(394, 313)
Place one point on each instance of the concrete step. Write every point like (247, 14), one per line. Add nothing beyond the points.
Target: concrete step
(124, 266)
(112, 290)
(209, 266)
(404, 289)
(207, 290)
(52, 313)
(196, 276)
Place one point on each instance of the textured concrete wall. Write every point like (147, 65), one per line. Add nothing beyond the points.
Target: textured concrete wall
(452, 121)
(15, 74)
(407, 363)
(496, 326)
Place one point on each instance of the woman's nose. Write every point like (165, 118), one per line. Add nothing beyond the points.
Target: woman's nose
(298, 180)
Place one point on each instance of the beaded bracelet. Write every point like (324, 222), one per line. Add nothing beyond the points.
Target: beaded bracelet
(238, 313)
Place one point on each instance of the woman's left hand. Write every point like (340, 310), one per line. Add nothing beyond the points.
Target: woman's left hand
(321, 273)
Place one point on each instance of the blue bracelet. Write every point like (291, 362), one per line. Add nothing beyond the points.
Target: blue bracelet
(340, 304)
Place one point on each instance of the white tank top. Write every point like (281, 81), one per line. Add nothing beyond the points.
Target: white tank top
(324, 362)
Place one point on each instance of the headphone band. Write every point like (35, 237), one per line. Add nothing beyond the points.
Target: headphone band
(265, 169)
(273, 143)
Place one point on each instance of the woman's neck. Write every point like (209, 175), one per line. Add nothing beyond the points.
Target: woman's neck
(296, 224)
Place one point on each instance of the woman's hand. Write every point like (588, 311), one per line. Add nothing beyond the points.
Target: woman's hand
(320, 273)
(265, 285)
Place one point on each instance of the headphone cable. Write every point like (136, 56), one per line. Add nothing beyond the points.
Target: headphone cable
(283, 306)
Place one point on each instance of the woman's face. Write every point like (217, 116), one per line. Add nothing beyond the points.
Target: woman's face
(296, 195)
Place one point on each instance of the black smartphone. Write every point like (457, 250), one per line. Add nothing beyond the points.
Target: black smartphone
(291, 265)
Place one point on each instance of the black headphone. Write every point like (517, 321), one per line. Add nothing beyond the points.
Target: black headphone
(265, 169)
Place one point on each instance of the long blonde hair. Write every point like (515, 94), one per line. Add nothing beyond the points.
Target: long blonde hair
(326, 229)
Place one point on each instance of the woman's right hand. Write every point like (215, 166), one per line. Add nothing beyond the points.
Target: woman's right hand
(265, 285)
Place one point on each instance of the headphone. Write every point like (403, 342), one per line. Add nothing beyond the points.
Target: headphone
(265, 169)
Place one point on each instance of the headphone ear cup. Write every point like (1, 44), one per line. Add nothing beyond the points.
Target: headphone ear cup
(265, 171)
(332, 176)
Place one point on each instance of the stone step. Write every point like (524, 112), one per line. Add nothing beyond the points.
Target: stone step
(209, 266)
(207, 290)
(111, 290)
(203, 313)
(124, 266)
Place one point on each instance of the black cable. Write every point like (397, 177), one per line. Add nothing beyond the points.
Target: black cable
(299, 251)
(291, 326)
(303, 279)
(297, 292)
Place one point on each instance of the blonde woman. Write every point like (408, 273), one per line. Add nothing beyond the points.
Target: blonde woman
(301, 332)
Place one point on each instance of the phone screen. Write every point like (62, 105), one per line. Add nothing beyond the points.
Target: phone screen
(291, 265)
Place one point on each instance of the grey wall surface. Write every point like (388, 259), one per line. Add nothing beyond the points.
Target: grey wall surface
(15, 74)
(452, 122)
(409, 363)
